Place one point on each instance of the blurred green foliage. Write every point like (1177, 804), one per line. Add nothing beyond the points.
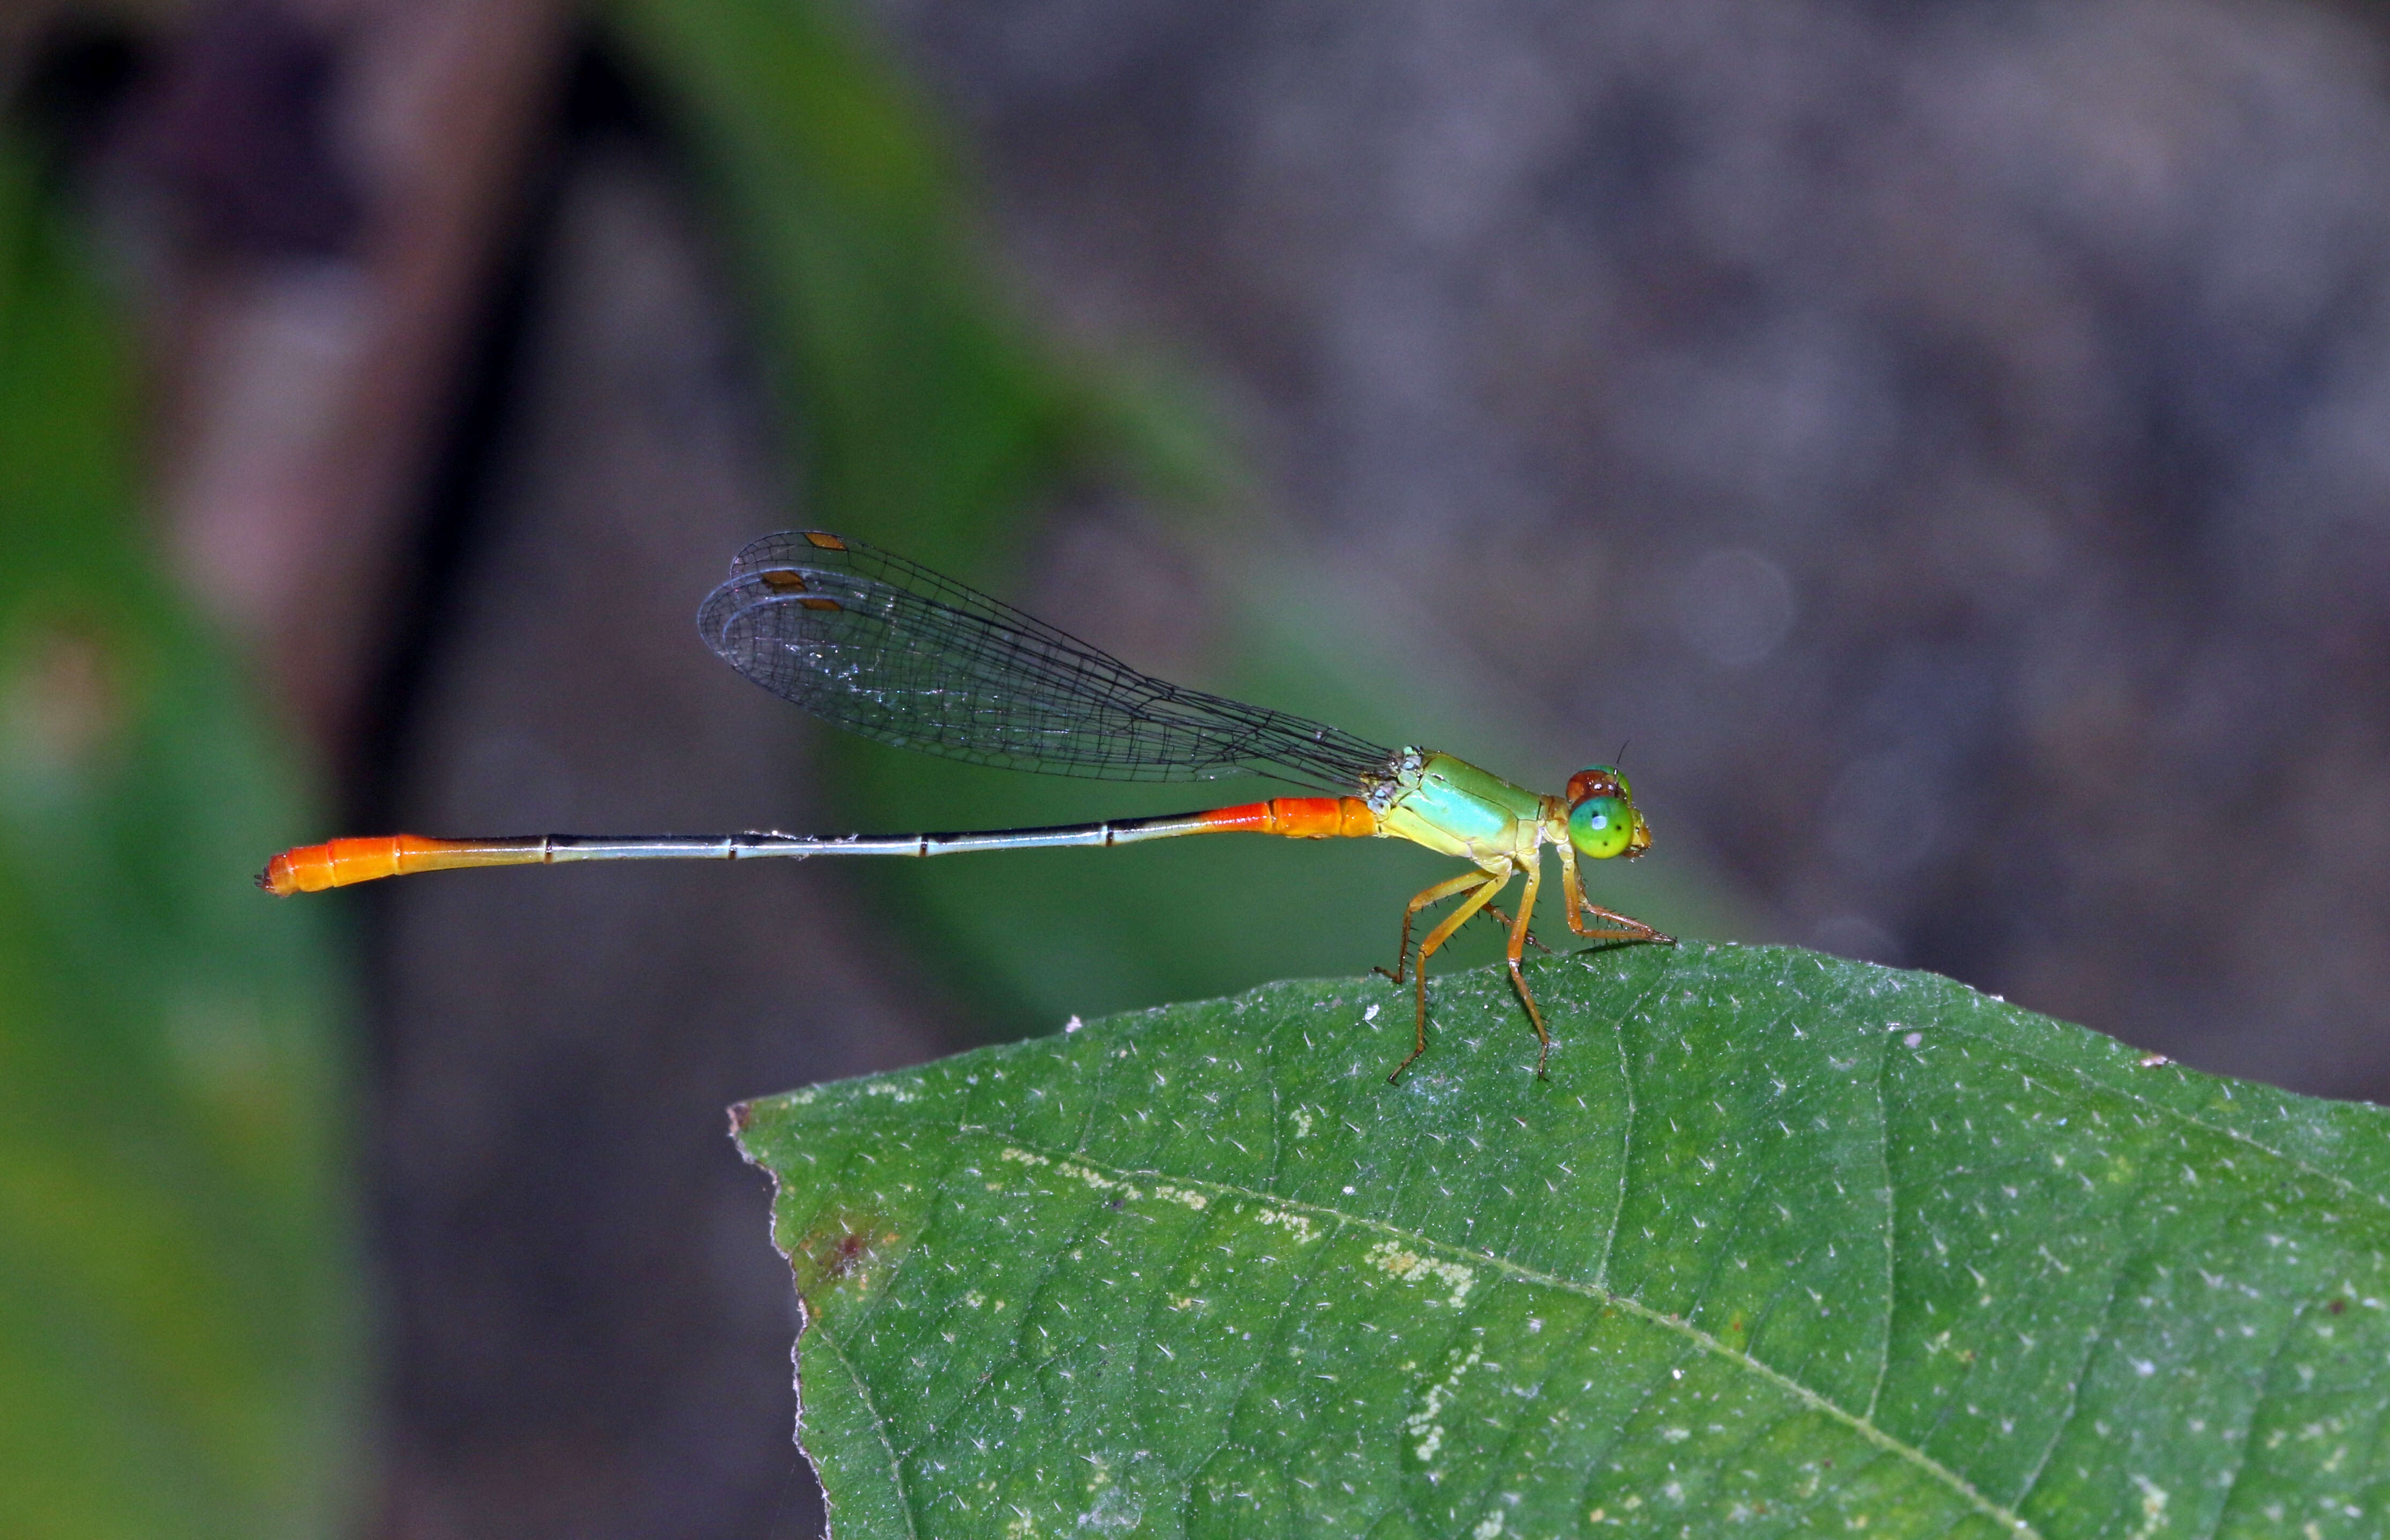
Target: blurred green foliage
(923, 415)
(931, 420)
(180, 1332)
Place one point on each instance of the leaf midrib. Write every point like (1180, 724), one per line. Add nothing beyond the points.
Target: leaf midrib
(1816, 1401)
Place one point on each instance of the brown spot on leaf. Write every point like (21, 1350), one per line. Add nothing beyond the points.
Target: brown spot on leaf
(842, 1248)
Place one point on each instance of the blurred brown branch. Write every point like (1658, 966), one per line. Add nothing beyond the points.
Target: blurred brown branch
(337, 180)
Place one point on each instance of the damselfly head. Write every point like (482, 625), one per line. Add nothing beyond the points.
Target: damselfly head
(1603, 817)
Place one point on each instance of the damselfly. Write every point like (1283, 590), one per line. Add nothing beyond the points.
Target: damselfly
(890, 649)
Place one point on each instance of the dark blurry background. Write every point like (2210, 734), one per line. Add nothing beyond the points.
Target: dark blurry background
(1949, 441)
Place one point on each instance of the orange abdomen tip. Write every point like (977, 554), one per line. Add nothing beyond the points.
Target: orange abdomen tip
(338, 863)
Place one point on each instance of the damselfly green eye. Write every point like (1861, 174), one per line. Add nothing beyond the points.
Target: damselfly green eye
(1602, 826)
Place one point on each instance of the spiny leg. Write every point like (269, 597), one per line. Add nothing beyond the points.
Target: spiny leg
(1437, 894)
(1518, 946)
(1493, 912)
(1488, 884)
(1629, 929)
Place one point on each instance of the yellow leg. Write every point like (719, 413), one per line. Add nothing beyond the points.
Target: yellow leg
(1622, 929)
(1437, 894)
(1518, 946)
(1493, 912)
(1627, 927)
(1488, 884)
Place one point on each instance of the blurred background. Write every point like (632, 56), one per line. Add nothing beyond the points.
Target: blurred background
(1948, 442)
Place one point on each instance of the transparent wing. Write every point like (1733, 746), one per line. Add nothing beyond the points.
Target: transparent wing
(890, 649)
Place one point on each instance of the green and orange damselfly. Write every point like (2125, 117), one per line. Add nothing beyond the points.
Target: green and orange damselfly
(888, 649)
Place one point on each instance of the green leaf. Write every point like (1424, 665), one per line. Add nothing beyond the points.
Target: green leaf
(1785, 1244)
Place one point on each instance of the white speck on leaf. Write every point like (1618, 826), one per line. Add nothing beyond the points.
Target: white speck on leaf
(1423, 1423)
(2154, 1508)
(1404, 1262)
(1299, 1225)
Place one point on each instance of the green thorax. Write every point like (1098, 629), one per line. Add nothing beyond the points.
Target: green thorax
(1452, 807)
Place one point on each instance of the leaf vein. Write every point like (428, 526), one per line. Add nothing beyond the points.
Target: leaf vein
(1891, 1219)
(879, 1428)
(2234, 1136)
(2256, 1405)
(1625, 1131)
(1822, 1404)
